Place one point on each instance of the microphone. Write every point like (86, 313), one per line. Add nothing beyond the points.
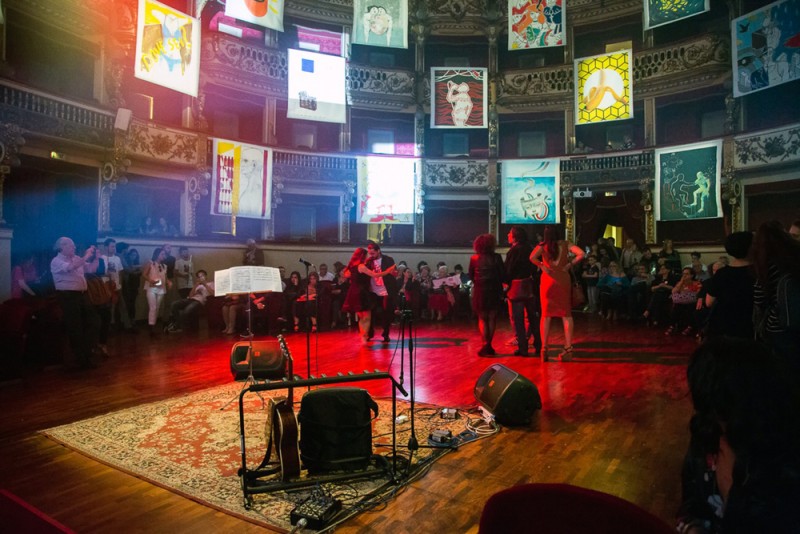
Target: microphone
(307, 263)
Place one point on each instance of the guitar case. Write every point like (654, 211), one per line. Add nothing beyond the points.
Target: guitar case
(336, 429)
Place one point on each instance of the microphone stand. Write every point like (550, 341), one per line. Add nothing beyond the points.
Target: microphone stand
(307, 322)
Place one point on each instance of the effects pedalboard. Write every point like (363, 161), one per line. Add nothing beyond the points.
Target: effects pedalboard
(317, 510)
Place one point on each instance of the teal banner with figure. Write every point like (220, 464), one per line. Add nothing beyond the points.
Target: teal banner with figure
(688, 182)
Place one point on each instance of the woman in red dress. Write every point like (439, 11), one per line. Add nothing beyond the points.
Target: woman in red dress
(359, 298)
(552, 257)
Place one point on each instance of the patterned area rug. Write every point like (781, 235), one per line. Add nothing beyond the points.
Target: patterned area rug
(189, 446)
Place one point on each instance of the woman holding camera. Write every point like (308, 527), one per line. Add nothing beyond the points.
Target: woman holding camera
(155, 286)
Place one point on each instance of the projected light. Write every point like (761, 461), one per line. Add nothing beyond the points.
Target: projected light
(386, 190)
(316, 87)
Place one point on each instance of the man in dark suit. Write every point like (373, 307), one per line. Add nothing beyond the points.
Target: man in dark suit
(384, 287)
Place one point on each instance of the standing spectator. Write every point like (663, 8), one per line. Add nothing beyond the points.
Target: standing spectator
(776, 258)
(649, 261)
(290, 293)
(80, 318)
(487, 273)
(133, 274)
(184, 270)
(23, 278)
(630, 257)
(252, 254)
(156, 284)
(638, 292)
(614, 251)
(590, 276)
(660, 291)
(114, 272)
(307, 302)
(552, 257)
(684, 303)
(670, 256)
(384, 287)
(524, 300)
(729, 293)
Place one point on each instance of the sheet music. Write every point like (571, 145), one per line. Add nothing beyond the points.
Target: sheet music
(247, 279)
(453, 281)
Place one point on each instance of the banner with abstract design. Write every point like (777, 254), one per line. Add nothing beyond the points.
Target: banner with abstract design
(380, 23)
(386, 188)
(603, 88)
(167, 47)
(688, 182)
(458, 98)
(322, 41)
(267, 13)
(766, 47)
(242, 180)
(660, 12)
(536, 24)
(531, 191)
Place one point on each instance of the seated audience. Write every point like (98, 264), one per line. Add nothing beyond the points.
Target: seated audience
(307, 300)
(290, 293)
(188, 308)
(670, 256)
(639, 292)
(684, 304)
(613, 289)
(660, 291)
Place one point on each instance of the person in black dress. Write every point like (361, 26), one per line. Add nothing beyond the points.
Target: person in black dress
(519, 268)
(487, 273)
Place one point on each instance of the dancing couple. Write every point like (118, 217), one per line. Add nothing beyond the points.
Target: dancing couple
(372, 291)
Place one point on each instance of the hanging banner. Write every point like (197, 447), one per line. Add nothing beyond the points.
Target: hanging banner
(167, 47)
(603, 88)
(660, 12)
(386, 190)
(531, 191)
(688, 182)
(535, 24)
(322, 41)
(380, 23)
(267, 13)
(316, 87)
(242, 180)
(766, 47)
(458, 98)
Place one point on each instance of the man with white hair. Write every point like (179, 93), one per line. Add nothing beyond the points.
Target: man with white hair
(253, 255)
(80, 318)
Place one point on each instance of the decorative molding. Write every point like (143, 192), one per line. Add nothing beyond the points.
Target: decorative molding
(456, 174)
(380, 88)
(163, 144)
(293, 167)
(772, 147)
(232, 63)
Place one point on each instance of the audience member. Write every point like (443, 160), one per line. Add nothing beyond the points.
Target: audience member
(742, 472)
(487, 273)
(132, 280)
(590, 275)
(188, 308)
(324, 274)
(660, 291)
(670, 256)
(252, 254)
(307, 302)
(155, 286)
(184, 271)
(613, 289)
(729, 293)
(523, 293)
(630, 257)
(684, 304)
(291, 292)
(639, 292)
(80, 319)
(231, 307)
(384, 287)
(114, 272)
(23, 277)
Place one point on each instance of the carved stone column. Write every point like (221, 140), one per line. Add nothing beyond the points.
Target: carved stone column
(732, 189)
(418, 24)
(732, 114)
(568, 207)
(344, 132)
(493, 19)
(493, 194)
(196, 188)
(647, 187)
(199, 110)
(419, 209)
(112, 173)
(11, 141)
(650, 122)
(347, 207)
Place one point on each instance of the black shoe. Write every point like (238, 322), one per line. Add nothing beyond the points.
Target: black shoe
(520, 352)
(386, 338)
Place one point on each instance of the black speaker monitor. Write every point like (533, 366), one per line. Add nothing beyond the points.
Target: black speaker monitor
(269, 360)
(509, 396)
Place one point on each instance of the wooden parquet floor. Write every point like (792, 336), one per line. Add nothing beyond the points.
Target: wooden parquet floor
(615, 419)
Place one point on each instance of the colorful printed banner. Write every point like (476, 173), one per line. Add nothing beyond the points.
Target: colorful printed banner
(167, 47)
(267, 13)
(386, 190)
(316, 87)
(380, 23)
(603, 88)
(688, 182)
(766, 47)
(531, 191)
(323, 41)
(242, 180)
(536, 24)
(660, 12)
(458, 98)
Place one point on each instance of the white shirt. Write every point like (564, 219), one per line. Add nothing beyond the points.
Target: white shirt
(201, 293)
(377, 285)
(183, 268)
(113, 268)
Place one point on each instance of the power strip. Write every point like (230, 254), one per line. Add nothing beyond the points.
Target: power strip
(316, 510)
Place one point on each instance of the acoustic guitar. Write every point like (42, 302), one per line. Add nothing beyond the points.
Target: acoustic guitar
(285, 433)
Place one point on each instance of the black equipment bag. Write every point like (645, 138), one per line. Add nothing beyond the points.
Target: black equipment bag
(336, 429)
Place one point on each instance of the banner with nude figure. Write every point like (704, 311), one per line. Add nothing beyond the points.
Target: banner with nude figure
(167, 47)
(380, 23)
(766, 47)
(535, 23)
(531, 191)
(688, 182)
(458, 97)
(603, 88)
(241, 180)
